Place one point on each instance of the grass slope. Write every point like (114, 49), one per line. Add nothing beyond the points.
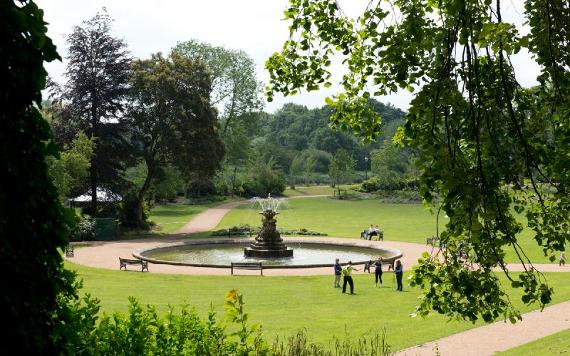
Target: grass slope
(285, 305)
(556, 344)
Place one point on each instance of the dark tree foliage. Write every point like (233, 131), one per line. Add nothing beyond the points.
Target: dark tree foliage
(33, 225)
(98, 75)
(295, 128)
(487, 147)
(172, 120)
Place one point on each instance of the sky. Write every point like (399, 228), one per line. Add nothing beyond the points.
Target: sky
(255, 26)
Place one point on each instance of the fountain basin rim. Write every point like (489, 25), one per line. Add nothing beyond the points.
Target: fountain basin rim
(305, 241)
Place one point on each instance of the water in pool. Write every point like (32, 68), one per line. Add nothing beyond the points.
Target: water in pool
(304, 254)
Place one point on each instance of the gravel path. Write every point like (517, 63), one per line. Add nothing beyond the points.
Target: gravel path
(499, 336)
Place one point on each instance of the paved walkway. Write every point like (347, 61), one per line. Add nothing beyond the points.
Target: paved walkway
(484, 340)
(208, 219)
(499, 336)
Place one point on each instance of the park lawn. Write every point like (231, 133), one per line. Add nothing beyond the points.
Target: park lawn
(171, 217)
(309, 190)
(347, 218)
(284, 305)
(556, 344)
(531, 248)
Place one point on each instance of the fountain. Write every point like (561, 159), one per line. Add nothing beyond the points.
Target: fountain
(268, 243)
(267, 248)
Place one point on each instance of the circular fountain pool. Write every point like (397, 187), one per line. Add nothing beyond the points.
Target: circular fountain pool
(306, 254)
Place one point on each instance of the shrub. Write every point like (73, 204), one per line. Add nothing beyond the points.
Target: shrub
(302, 232)
(142, 332)
(374, 184)
(241, 230)
(84, 230)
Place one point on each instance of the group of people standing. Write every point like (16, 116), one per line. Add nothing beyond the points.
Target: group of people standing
(346, 273)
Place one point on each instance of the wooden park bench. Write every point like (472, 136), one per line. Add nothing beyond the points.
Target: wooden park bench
(379, 235)
(123, 262)
(69, 251)
(246, 265)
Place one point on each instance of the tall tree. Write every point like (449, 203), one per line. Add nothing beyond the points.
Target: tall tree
(172, 119)
(485, 144)
(33, 225)
(341, 168)
(98, 73)
(235, 90)
(390, 164)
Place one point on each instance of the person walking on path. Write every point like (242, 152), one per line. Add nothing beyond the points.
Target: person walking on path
(562, 259)
(378, 271)
(347, 277)
(337, 273)
(399, 271)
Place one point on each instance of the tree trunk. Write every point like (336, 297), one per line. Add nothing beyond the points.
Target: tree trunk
(234, 181)
(93, 169)
(141, 221)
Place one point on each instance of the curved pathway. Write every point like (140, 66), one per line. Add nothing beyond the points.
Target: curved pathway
(208, 219)
(485, 340)
(498, 336)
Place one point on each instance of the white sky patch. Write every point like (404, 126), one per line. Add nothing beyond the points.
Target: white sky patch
(255, 26)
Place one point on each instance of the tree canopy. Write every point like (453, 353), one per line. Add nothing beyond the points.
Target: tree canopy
(33, 225)
(489, 149)
(95, 93)
(171, 119)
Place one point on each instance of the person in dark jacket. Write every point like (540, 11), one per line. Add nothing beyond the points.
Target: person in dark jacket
(378, 271)
(337, 273)
(399, 271)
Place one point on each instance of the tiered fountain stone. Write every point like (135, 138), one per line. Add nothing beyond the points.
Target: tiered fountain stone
(268, 243)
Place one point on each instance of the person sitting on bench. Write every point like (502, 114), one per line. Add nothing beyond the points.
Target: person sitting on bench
(369, 232)
(373, 231)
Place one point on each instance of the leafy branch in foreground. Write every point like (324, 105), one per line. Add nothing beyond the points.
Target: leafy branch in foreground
(492, 151)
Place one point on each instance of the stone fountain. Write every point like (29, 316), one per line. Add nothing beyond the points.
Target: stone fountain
(268, 242)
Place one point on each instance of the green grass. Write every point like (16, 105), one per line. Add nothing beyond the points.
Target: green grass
(342, 218)
(285, 305)
(556, 344)
(347, 218)
(171, 217)
(309, 190)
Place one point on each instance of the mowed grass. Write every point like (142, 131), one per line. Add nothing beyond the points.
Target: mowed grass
(171, 217)
(557, 344)
(284, 305)
(347, 218)
(309, 190)
(342, 218)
